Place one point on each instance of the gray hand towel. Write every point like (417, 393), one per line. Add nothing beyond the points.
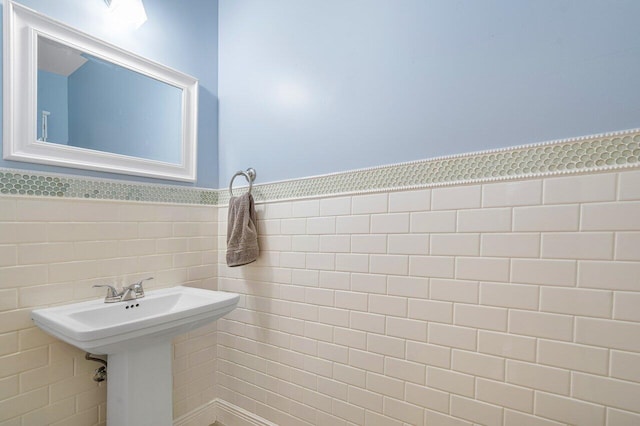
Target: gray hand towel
(242, 232)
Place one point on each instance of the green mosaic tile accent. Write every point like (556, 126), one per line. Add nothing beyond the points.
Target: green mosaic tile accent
(578, 155)
(18, 182)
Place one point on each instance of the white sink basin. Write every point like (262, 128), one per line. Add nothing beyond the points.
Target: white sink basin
(136, 336)
(106, 328)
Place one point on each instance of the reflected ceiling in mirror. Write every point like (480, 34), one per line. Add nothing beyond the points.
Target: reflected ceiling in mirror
(92, 105)
(86, 102)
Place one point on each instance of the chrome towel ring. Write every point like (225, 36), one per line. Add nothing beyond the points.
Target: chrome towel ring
(250, 176)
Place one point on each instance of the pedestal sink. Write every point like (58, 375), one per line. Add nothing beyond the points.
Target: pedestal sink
(136, 335)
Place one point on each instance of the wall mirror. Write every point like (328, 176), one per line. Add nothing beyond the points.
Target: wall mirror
(73, 100)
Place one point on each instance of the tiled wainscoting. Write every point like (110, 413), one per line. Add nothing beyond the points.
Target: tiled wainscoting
(495, 303)
(514, 303)
(51, 252)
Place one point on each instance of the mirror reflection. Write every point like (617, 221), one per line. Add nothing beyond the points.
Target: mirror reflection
(87, 102)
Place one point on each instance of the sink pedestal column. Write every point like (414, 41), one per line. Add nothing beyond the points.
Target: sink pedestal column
(140, 386)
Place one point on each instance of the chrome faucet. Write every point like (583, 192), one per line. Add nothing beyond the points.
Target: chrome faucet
(135, 290)
(113, 295)
(131, 292)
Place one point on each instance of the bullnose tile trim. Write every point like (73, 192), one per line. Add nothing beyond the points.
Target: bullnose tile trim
(30, 183)
(586, 154)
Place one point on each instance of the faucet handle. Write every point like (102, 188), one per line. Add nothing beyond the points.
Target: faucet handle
(137, 287)
(113, 295)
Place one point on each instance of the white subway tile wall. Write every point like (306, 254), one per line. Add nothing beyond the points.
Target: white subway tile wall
(495, 304)
(51, 252)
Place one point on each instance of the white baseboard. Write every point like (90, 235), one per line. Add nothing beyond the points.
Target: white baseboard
(222, 411)
(232, 415)
(204, 415)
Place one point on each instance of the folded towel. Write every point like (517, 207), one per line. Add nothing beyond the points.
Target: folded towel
(242, 233)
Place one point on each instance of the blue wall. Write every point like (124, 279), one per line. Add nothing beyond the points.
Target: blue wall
(184, 37)
(53, 97)
(309, 87)
(117, 110)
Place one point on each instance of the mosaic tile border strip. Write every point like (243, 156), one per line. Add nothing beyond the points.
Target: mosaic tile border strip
(595, 153)
(30, 183)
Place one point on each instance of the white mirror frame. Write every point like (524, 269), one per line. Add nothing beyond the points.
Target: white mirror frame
(22, 26)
